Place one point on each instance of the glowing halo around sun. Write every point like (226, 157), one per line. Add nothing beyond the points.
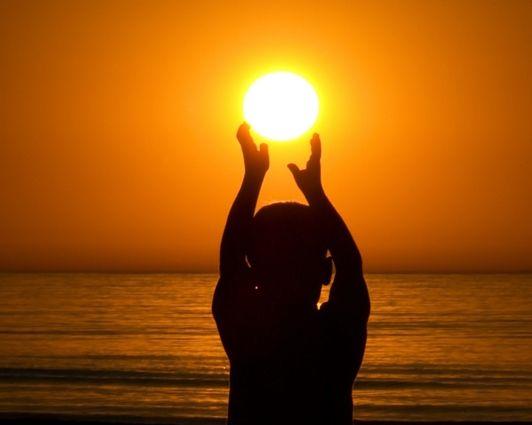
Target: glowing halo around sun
(281, 106)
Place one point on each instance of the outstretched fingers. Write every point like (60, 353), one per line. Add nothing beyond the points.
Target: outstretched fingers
(244, 138)
(294, 169)
(315, 149)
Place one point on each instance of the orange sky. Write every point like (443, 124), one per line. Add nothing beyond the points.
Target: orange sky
(117, 124)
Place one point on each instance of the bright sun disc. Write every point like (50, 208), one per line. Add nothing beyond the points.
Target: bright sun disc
(281, 106)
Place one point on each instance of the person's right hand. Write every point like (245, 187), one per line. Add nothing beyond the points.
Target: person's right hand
(309, 179)
(256, 161)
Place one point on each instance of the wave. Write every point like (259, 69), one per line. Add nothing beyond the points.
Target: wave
(116, 376)
(217, 380)
(17, 418)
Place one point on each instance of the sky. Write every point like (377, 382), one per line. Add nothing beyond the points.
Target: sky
(117, 124)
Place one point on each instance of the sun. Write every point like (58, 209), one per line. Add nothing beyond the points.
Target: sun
(281, 106)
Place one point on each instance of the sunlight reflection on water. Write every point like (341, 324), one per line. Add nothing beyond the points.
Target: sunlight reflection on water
(439, 347)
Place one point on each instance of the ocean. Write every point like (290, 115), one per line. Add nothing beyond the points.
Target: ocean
(440, 347)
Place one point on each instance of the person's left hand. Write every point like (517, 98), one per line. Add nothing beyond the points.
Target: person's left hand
(256, 161)
(309, 178)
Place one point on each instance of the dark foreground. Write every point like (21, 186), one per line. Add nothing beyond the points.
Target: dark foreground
(48, 419)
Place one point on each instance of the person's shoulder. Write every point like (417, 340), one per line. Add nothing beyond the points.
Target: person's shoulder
(229, 289)
(349, 298)
(236, 276)
(337, 311)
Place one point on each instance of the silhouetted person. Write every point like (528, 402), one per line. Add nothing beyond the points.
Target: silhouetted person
(291, 362)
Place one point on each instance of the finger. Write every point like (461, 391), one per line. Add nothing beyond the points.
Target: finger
(294, 169)
(315, 148)
(244, 137)
(263, 150)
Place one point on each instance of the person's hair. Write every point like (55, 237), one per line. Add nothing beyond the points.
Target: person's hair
(284, 233)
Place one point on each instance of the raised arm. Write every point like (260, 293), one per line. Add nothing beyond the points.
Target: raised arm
(349, 289)
(256, 162)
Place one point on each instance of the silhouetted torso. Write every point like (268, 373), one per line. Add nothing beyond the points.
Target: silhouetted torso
(289, 364)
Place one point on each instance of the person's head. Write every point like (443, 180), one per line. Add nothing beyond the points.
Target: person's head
(288, 253)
